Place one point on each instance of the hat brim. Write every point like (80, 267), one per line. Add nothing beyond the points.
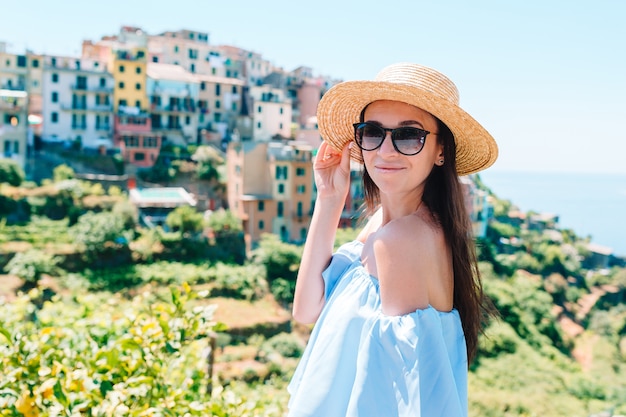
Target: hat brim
(341, 107)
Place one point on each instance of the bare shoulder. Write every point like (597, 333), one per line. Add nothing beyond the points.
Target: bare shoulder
(413, 264)
(418, 231)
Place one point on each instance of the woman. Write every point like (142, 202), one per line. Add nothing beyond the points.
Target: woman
(397, 311)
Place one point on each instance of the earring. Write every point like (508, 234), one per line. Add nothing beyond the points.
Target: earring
(441, 162)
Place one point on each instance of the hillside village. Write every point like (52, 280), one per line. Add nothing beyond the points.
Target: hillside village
(132, 101)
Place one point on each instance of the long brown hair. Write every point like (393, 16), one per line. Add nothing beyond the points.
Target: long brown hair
(444, 196)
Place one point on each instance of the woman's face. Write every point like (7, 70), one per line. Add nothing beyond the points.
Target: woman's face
(392, 172)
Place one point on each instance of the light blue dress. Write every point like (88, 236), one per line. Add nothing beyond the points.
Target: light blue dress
(361, 363)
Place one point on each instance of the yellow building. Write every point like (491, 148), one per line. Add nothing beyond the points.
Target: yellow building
(270, 187)
(128, 67)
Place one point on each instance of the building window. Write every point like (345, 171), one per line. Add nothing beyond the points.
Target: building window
(261, 224)
(281, 188)
(280, 126)
(175, 49)
(55, 78)
(123, 102)
(193, 53)
(258, 125)
(131, 141)
(138, 70)
(301, 189)
(261, 206)
(187, 120)
(218, 104)
(155, 59)
(300, 172)
(259, 109)
(81, 82)
(234, 106)
(234, 90)
(192, 68)
(202, 86)
(217, 90)
(140, 156)
(138, 104)
(138, 86)
(21, 61)
(281, 172)
(121, 68)
(150, 142)
(55, 97)
(35, 63)
(103, 82)
(54, 117)
(281, 110)
(121, 85)
(280, 209)
(299, 209)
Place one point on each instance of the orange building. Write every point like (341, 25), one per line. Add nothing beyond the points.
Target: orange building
(270, 187)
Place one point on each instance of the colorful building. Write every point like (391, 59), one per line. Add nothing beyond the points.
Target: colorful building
(14, 125)
(173, 94)
(271, 188)
(219, 107)
(77, 98)
(271, 113)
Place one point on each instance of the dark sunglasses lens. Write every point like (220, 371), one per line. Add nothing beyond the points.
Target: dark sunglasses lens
(368, 136)
(409, 140)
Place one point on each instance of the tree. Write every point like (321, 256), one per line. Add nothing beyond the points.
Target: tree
(32, 265)
(11, 173)
(228, 232)
(103, 236)
(208, 159)
(186, 220)
(63, 172)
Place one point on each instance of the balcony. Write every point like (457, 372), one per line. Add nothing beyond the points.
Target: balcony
(13, 87)
(85, 88)
(172, 109)
(74, 107)
(104, 127)
(175, 128)
(11, 107)
(79, 126)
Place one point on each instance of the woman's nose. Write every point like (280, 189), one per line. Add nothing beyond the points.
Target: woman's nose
(387, 146)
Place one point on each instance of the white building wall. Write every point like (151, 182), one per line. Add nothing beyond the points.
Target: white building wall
(271, 113)
(73, 120)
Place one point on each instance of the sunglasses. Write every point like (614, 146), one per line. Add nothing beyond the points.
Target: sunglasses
(406, 140)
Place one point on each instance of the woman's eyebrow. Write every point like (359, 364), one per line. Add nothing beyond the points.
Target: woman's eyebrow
(403, 123)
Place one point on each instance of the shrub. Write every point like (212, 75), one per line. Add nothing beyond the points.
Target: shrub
(32, 265)
(287, 345)
(11, 173)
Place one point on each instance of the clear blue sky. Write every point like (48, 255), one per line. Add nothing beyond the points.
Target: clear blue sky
(546, 77)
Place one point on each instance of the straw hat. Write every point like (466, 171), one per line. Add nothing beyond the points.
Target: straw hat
(420, 86)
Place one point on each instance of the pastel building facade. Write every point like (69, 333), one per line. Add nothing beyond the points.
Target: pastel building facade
(220, 104)
(14, 125)
(271, 188)
(271, 113)
(78, 102)
(173, 94)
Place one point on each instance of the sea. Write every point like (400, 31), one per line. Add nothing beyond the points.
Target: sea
(592, 205)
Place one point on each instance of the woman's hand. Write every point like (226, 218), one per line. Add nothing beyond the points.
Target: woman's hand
(332, 172)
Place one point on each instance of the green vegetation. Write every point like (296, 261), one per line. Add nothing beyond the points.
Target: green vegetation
(108, 318)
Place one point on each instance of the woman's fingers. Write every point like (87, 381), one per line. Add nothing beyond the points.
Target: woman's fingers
(327, 156)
